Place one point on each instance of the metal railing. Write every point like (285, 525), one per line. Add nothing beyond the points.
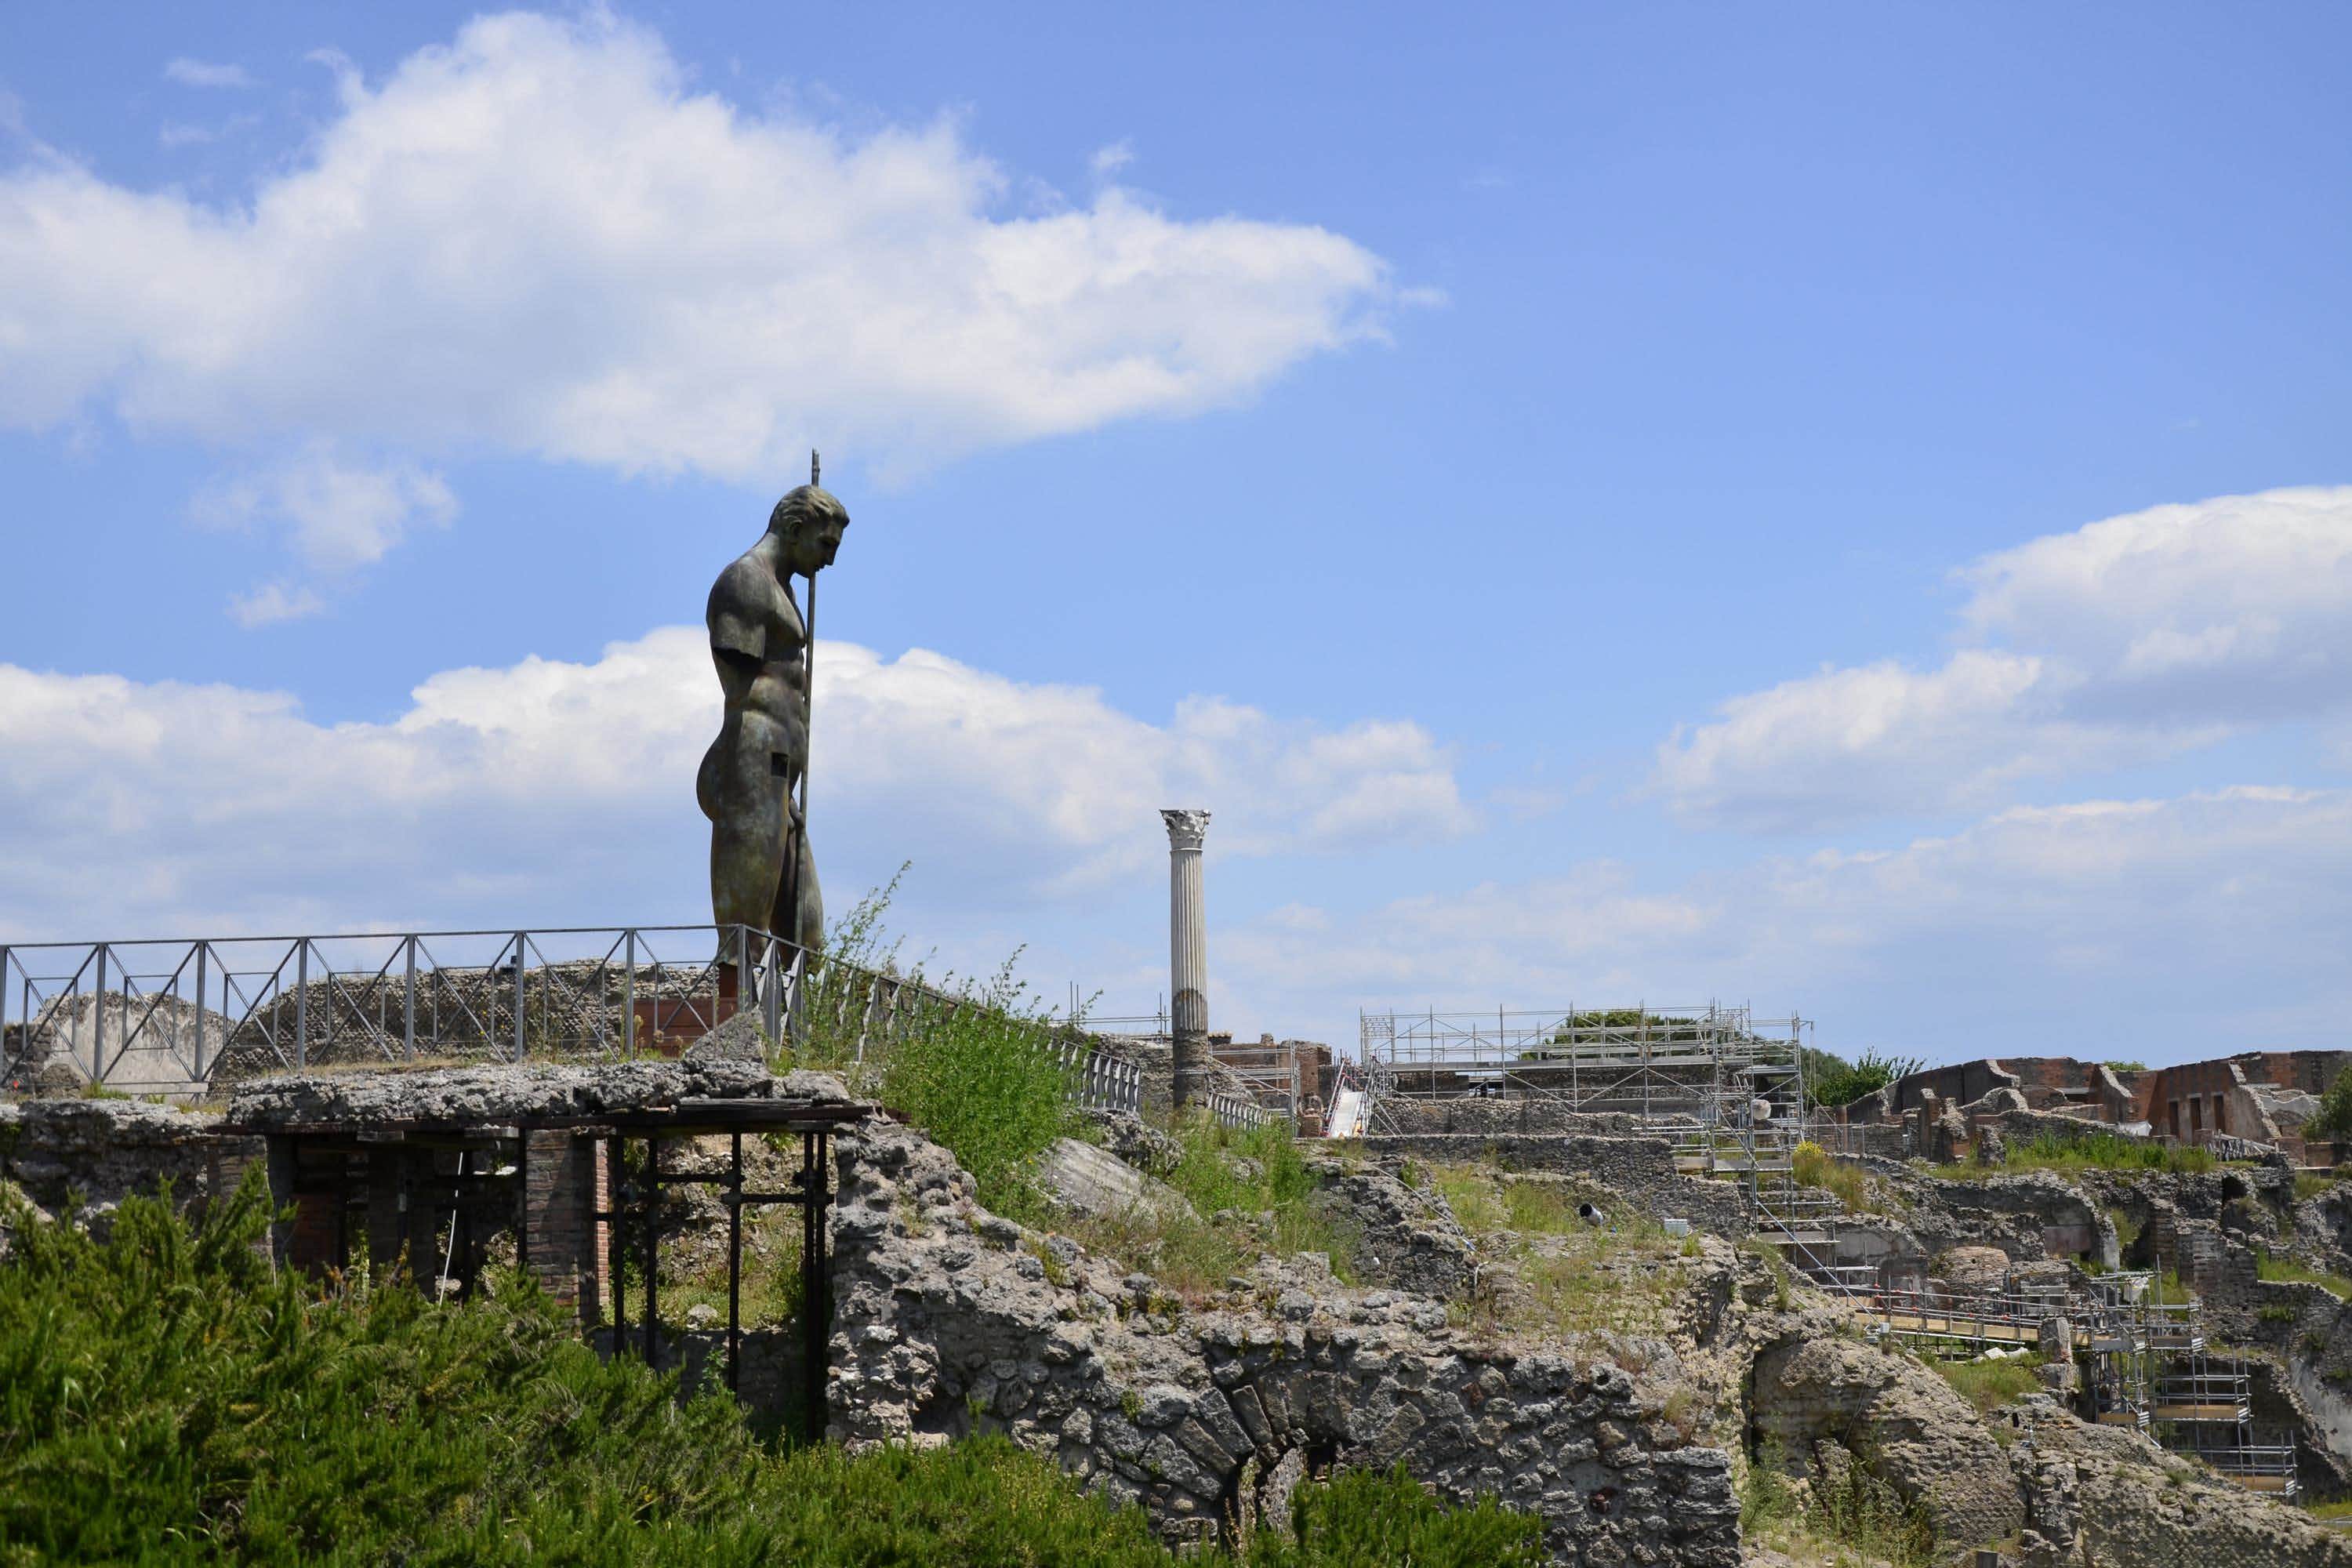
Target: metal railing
(1100, 1080)
(1237, 1110)
(177, 1017)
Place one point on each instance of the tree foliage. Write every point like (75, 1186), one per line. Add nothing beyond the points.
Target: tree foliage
(1832, 1081)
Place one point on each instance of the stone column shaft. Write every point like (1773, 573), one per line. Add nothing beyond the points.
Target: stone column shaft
(1188, 953)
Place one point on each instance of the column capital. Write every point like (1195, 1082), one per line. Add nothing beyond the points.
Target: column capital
(1186, 829)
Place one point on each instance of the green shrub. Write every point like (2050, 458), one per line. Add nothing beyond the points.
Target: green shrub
(1832, 1081)
(986, 1080)
(1990, 1384)
(1372, 1521)
(2334, 1119)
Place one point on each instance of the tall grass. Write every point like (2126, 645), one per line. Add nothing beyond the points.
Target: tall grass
(168, 1397)
(977, 1064)
(2090, 1152)
(1257, 1174)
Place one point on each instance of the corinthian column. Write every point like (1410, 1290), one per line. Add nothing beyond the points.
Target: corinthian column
(1188, 953)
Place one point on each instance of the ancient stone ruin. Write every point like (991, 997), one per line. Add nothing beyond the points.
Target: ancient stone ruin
(1602, 1322)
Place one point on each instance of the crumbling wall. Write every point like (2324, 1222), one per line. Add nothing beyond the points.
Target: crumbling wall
(78, 1159)
(1641, 1169)
(946, 1319)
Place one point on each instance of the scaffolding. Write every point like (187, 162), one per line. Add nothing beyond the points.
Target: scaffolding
(1700, 1068)
(2143, 1362)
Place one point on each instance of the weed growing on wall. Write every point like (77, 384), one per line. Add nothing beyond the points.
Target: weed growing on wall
(978, 1065)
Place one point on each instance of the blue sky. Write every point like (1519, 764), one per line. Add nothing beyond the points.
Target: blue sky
(1839, 508)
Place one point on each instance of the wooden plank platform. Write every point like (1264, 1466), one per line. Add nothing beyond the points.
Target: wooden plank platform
(2200, 1413)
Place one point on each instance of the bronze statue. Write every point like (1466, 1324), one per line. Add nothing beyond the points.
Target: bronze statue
(751, 782)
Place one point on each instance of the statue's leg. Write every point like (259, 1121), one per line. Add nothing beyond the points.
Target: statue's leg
(805, 925)
(747, 841)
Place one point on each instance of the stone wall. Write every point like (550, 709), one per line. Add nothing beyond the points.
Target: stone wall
(1640, 1169)
(946, 1319)
(80, 1158)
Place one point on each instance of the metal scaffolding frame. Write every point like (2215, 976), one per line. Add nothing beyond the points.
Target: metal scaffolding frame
(1702, 1067)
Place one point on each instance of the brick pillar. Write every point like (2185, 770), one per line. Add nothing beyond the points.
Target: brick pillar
(565, 1187)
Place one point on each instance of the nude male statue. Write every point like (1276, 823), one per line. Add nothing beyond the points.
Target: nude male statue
(763, 874)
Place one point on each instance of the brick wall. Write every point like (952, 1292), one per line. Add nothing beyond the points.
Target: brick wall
(566, 1183)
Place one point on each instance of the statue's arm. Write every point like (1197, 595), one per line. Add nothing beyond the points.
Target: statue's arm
(737, 634)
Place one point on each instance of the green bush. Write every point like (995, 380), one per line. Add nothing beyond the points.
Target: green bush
(2334, 1120)
(1832, 1081)
(167, 1396)
(977, 1065)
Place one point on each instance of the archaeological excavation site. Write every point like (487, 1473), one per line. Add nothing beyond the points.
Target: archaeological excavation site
(1592, 1287)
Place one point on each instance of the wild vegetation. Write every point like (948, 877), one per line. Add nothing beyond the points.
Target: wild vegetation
(1561, 1272)
(1859, 1520)
(978, 1064)
(1813, 1166)
(1990, 1384)
(1246, 1193)
(1832, 1081)
(2334, 1117)
(2269, 1265)
(168, 1396)
(2087, 1151)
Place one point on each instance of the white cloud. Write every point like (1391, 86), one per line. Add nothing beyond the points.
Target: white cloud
(2126, 640)
(274, 602)
(338, 513)
(2196, 925)
(2226, 610)
(205, 73)
(536, 240)
(558, 793)
(1109, 159)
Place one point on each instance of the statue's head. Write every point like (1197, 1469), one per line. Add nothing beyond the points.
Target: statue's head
(809, 522)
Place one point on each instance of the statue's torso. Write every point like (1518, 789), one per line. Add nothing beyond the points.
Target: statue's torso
(752, 617)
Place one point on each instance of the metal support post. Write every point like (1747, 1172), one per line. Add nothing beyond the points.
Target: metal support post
(518, 997)
(653, 1251)
(772, 997)
(302, 1001)
(408, 1007)
(629, 993)
(98, 1022)
(615, 1241)
(735, 1263)
(816, 1289)
(743, 973)
(203, 949)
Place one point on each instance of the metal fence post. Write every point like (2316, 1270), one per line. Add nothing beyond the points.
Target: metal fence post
(629, 993)
(98, 1022)
(772, 999)
(201, 946)
(518, 1002)
(3, 1009)
(744, 973)
(302, 1001)
(408, 1006)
